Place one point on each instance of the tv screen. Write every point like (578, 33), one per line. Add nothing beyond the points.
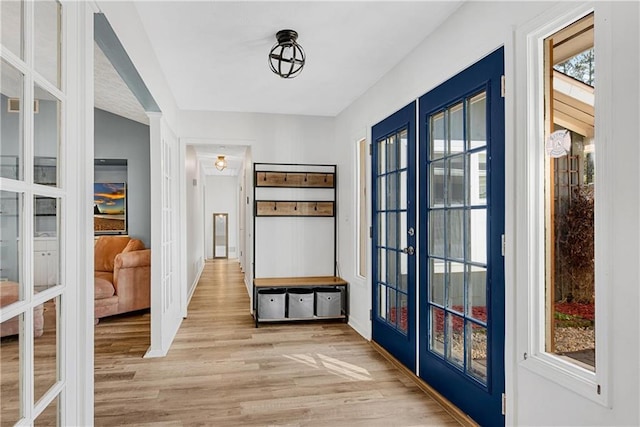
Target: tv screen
(110, 208)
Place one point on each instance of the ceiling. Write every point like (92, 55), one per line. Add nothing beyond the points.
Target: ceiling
(214, 56)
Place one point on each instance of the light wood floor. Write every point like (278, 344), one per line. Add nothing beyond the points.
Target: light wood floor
(221, 371)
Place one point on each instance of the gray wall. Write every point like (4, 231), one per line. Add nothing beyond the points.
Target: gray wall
(120, 138)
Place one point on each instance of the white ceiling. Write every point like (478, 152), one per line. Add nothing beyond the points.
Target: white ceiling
(214, 54)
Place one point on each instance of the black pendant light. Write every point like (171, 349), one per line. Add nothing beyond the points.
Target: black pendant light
(286, 58)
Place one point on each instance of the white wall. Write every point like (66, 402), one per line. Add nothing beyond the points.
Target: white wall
(194, 187)
(221, 196)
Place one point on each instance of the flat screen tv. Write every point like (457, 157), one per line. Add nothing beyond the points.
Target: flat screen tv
(110, 208)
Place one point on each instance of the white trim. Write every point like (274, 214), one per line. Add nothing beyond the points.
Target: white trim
(527, 258)
(194, 284)
(356, 197)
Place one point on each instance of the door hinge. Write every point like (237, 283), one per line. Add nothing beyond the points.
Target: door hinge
(503, 245)
(503, 88)
(371, 232)
(504, 404)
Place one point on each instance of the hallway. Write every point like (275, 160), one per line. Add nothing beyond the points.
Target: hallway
(222, 371)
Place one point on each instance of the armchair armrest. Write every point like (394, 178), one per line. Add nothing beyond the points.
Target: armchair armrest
(131, 279)
(141, 258)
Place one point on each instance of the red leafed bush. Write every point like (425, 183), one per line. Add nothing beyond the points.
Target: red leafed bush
(584, 311)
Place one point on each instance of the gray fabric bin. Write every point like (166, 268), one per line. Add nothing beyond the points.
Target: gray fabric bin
(300, 303)
(328, 302)
(271, 303)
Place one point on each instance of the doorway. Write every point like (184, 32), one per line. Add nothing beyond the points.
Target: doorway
(220, 235)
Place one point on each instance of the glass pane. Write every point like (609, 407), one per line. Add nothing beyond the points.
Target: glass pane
(391, 192)
(404, 271)
(11, 117)
(455, 233)
(382, 301)
(403, 141)
(477, 178)
(47, 39)
(45, 350)
(477, 131)
(477, 351)
(436, 144)
(11, 24)
(402, 202)
(382, 196)
(391, 301)
(477, 293)
(402, 312)
(46, 243)
(393, 239)
(436, 331)
(455, 287)
(403, 230)
(436, 233)
(436, 281)
(382, 229)
(455, 181)
(392, 268)
(46, 138)
(455, 339)
(436, 183)
(11, 205)
(382, 156)
(382, 264)
(456, 129)
(392, 153)
(48, 417)
(10, 378)
(477, 236)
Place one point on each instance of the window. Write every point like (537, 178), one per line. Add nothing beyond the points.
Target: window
(570, 150)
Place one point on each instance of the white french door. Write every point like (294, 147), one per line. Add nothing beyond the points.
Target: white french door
(43, 168)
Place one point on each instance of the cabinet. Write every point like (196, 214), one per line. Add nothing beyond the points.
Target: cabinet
(45, 263)
(294, 240)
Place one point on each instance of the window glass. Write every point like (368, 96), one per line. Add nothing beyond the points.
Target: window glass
(570, 149)
(46, 137)
(47, 39)
(11, 24)
(11, 117)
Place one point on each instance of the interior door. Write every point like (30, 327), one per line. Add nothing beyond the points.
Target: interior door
(220, 235)
(393, 236)
(461, 125)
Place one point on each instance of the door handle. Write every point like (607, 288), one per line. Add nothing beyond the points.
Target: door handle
(410, 250)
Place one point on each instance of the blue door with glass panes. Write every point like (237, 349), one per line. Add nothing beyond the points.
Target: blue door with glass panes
(461, 125)
(394, 235)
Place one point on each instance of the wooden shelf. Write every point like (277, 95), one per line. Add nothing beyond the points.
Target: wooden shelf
(295, 179)
(282, 282)
(294, 208)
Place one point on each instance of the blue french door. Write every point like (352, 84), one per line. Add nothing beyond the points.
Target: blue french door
(461, 125)
(394, 234)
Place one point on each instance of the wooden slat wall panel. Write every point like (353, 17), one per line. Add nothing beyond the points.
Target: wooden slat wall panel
(294, 208)
(295, 179)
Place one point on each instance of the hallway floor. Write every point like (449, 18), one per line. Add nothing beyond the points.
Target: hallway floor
(222, 371)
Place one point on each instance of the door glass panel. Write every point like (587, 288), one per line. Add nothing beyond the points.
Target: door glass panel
(436, 233)
(455, 286)
(402, 312)
(11, 261)
(436, 183)
(10, 378)
(382, 193)
(477, 177)
(403, 141)
(47, 39)
(391, 192)
(403, 230)
(382, 229)
(436, 331)
(11, 24)
(392, 153)
(49, 417)
(455, 181)
(477, 131)
(403, 280)
(477, 293)
(392, 230)
(455, 233)
(46, 243)
(456, 129)
(46, 137)
(436, 145)
(391, 304)
(455, 339)
(382, 159)
(11, 111)
(477, 236)
(402, 184)
(382, 301)
(382, 263)
(436, 279)
(392, 267)
(477, 351)
(45, 332)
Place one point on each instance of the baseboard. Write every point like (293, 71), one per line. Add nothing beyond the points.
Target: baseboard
(151, 353)
(194, 284)
(360, 329)
(452, 409)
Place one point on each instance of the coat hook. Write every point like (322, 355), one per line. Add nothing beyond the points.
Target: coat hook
(285, 177)
(325, 178)
(316, 207)
(265, 177)
(295, 208)
(275, 206)
(305, 177)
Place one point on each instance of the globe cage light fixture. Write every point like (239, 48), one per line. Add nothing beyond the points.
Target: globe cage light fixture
(221, 163)
(287, 57)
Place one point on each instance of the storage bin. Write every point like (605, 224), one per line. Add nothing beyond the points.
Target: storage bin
(271, 303)
(300, 303)
(328, 302)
